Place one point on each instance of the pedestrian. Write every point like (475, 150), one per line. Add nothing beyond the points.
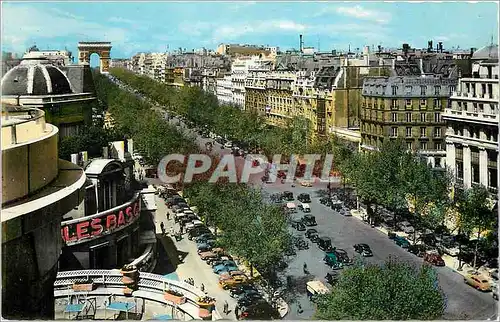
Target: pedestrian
(162, 226)
(299, 309)
(181, 228)
(305, 269)
(236, 312)
(172, 231)
(202, 287)
(168, 215)
(226, 307)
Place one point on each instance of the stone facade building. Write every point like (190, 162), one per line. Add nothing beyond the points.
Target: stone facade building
(472, 123)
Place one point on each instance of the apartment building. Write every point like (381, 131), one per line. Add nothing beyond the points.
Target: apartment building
(224, 90)
(472, 123)
(408, 107)
(239, 71)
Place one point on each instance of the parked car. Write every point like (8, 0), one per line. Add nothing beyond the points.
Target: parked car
(301, 244)
(288, 196)
(325, 243)
(418, 250)
(312, 234)
(309, 220)
(198, 232)
(406, 227)
(298, 224)
(204, 236)
(237, 291)
(478, 281)
(332, 278)
(434, 259)
(363, 249)
(233, 281)
(325, 201)
(304, 207)
(261, 310)
(332, 260)
(305, 183)
(401, 241)
(304, 198)
(342, 256)
(494, 274)
(204, 248)
(247, 299)
(226, 266)
(207, 255)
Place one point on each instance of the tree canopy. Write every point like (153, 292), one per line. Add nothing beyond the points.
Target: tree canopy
(393, 291)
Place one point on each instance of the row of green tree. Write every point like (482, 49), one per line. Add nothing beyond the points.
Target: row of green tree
(403, 182)
(203, 110)
(134, 118)
(249, 227)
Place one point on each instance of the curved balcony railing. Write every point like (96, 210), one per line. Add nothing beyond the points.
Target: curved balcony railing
(149, 286)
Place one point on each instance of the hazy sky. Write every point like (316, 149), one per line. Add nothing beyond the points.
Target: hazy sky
(152, 26)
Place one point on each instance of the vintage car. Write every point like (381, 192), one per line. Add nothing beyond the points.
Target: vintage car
(478, 281)
(433, 258)
(304, 198)
(309, 220)
(363, 249)
(298, 224)
(228, 281)
(312, 234)
(305, 183)
(304, 207)
(206, 255)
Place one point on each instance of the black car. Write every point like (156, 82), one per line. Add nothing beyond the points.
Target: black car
(301, 244)
(299, 225)
(309, 220)
(342, 256)
(259, 311)
(332, 278)
(204, 237)
(363, 249)
(312, 234)
(418, 250)
(325, 243)
(304, 197)
(239, 290)
(197, 232)
(324, 200)
(288, 196)
(247, 300)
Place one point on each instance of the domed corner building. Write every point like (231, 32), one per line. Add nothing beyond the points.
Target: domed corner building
(65, 95)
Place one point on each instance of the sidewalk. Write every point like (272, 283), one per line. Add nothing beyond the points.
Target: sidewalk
(190, 265)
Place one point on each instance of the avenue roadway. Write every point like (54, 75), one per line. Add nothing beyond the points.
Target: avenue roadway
(463, 302)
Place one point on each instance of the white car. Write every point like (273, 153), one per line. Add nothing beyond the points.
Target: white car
(304, 207)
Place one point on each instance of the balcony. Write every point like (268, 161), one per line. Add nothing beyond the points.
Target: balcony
(465, 115)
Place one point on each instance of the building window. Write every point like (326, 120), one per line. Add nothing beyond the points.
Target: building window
(394, 117)
(423, 90)
(408, 102)
(422, 117)
(437, 103)
(408, 89)
(394, 131)
(437, 132)
(452, 89)
(409, 145)
(423, 145)
(438, 146)
(422, 132)
(408, 132)
(437, 117)
(437, 90)
(423, 103)
(395, 104)
(408, 117)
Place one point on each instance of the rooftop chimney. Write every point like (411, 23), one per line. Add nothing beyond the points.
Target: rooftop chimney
(301, 44)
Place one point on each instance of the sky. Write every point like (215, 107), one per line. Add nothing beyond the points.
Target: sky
(136, 26)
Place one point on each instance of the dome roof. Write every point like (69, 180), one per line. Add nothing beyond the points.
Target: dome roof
(35, 76)
(486, 52)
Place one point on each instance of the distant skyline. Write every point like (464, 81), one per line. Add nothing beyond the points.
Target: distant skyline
(160, 26)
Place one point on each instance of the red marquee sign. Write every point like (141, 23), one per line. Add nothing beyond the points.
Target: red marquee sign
(97, 226)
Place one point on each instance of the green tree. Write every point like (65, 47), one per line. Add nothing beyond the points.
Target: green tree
(393, 291)
(476, 213)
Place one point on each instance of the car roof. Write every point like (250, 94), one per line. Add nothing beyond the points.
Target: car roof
(326, 238)
(364, 245)
(312, 230)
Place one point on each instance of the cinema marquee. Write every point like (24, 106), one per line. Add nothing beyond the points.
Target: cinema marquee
(86, 228)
